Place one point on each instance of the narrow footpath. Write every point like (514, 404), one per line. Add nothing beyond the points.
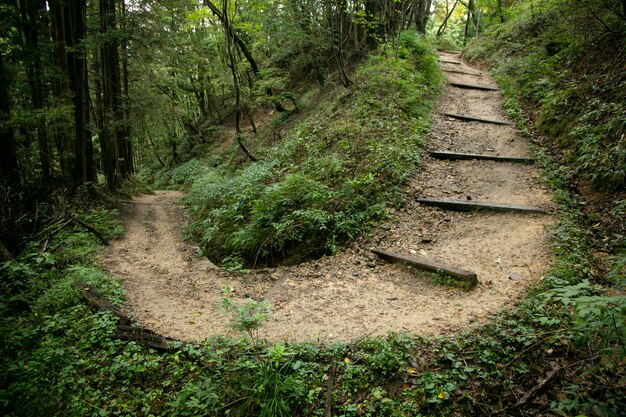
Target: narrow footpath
(484, 166)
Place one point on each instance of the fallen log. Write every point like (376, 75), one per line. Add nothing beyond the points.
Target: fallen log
(462, 205)
(473, 86)
(427, 265)
(143, 336)
(124, 329)
(98, 302)
(470, 118)
(452, 156)
(91, 230)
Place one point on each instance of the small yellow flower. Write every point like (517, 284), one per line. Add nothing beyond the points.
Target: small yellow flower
(441, 395)
(347, 360)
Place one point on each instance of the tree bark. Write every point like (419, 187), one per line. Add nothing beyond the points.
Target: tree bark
(422, 15)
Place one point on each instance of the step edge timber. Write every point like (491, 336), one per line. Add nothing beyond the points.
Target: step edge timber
(478, 74)
(462, 205)
(448, 155)
(447, 61)
(473, 86)
(471, 118)
(426, 265)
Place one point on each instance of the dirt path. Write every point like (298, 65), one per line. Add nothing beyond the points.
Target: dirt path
(352, 293)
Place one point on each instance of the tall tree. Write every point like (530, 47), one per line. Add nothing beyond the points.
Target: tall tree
(31, 12)
(115, 143)
(70, 23)
(422, 14)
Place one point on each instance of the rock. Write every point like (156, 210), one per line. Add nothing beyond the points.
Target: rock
(515, 277)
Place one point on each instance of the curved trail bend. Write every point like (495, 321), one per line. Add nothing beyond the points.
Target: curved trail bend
(351, 294)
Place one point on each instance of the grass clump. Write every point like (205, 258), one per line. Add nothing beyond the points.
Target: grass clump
(331, 177)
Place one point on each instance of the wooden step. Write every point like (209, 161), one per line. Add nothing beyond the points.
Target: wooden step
(473, 86)
(454, 156)
(427, 265)
(470, 118)
(461, 72)
(462, 205)
(447, 61)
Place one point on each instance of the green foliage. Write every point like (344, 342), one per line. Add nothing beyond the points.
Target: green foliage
(247, 317)
(332, 177)
(177, 177)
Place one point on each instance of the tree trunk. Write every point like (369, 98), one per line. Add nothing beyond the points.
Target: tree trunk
(130, 166)
(114, 123)
(230, 41)
(70, 18)
(9, 169)
(470, 12)
(444, 24)
(29, 11)
(422, 14)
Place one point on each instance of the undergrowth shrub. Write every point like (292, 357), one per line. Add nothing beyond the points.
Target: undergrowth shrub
(331, 177)
(175, 178)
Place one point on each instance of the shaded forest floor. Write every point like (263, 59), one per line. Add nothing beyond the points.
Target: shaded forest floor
(353, 294)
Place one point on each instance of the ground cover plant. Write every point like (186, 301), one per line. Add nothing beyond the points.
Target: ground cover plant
(332, 176)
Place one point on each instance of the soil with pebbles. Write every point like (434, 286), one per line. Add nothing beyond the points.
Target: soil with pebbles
(352, 294)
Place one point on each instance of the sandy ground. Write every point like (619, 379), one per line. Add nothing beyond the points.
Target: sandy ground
(352, 294)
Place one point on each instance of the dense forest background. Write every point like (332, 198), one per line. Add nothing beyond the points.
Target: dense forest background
(293, 125)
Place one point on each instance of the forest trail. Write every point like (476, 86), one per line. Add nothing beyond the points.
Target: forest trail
(352, 294)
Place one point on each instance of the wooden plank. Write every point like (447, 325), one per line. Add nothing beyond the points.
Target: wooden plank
(98, 302)
(427, 265)
(447, 61)
(461, 72)
(473, 86)
(470, 118)
(470, 156)
(463, 205)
